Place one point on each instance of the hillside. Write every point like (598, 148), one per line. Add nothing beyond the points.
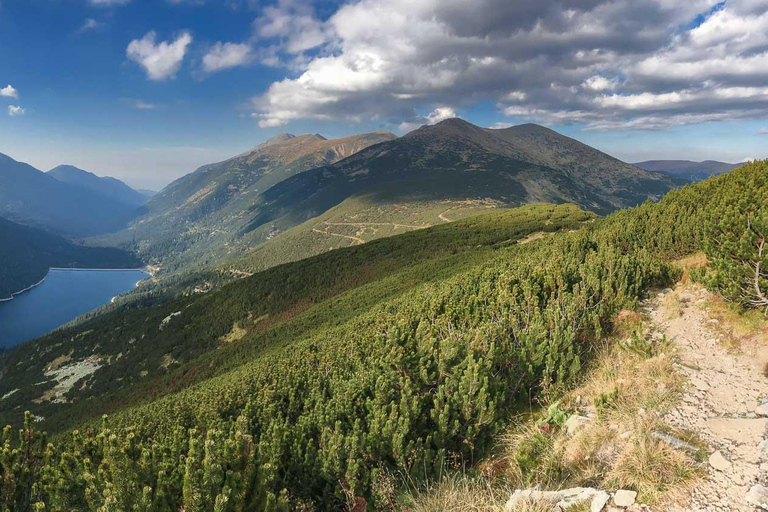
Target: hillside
(329, 382)
(430, 176)
(687, 170)
(32, 197)
(199, 217)
(27, 253)
(104, 186)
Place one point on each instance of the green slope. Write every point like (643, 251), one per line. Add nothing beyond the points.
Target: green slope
(407, 374)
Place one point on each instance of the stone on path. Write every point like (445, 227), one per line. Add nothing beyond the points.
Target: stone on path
(599, 501)
(624, 498)
(762, 409)
(758, 496)
(720, 463)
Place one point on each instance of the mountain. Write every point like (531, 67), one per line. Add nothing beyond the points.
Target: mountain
(687, 170)
(321, 382)
(32, 197)
(27, 253)
(372, 185)
(432, 175)
(199, 216)
(106, 186)
(146, 194)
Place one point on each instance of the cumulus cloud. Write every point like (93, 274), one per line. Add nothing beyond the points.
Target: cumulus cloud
(161, 61)
(763, 131)
(609, 64)
(9, 92)
(227, 55)
(14, 111)
(294, 24)
(437, 115)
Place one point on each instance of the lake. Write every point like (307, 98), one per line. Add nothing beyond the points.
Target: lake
(61, 297)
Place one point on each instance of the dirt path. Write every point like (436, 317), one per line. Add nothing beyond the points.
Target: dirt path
(727, 386)
(359, 241)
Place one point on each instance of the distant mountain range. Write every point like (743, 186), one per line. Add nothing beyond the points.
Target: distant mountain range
(27, 253)
(106, 186)
(67, 200)
(687, 170)
(292, 197)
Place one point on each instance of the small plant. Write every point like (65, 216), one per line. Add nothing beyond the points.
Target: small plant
(606, 401)
(556, 417)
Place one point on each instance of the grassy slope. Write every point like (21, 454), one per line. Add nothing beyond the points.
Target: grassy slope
(424, 379)
(271, 309)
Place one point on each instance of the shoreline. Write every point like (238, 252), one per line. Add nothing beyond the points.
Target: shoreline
(142, 269)
(14, 294)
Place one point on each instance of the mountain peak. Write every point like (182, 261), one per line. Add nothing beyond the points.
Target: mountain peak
(277, 139)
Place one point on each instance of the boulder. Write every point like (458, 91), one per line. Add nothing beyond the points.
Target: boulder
(624, 498)
(762, 409)
(563, 499)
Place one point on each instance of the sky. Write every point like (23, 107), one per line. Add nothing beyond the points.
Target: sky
(149, 90)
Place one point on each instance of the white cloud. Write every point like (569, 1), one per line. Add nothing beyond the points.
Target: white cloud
(14, 111)
(501, 126)
(9, 92)
(142, 105)
(161, 61)
(108, 3)
(89, 24)
(227, 55)
(609, 64)
(294, 23)
(763, 131)
(434, 117)
(600, 83)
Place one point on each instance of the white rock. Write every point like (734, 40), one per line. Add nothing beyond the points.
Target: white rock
(762, 409)
(575, 422)
(624, 498)
(563, 499)
(758, 496)
(720, 463)
(764, 450)
(599, 501)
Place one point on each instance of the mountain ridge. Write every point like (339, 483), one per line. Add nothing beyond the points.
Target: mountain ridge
(30, 196)
(106, 185)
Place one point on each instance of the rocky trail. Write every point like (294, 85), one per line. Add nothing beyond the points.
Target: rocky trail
(725, 404)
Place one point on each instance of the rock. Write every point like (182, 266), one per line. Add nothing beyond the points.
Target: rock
(675, 442)
(764, 450)
(575, 423)
(720, 463)
(599, 501)
(762, 409)
(624, 498)
(758, 496)
(563, 499)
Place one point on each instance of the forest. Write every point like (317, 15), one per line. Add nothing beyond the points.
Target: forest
(315, 416)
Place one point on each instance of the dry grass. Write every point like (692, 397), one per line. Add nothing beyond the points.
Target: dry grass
(461, 494)
(696, 260)
(626, 393)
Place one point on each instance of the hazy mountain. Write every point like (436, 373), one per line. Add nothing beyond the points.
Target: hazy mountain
(106, 186)
(33, 197)
(146, 193)
(687, 170)
(27, 253)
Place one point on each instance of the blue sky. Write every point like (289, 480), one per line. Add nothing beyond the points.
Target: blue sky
(147, 90)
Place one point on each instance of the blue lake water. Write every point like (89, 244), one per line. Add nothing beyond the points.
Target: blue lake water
(60, 298)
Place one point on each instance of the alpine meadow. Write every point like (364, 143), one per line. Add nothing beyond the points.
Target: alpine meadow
(417, 273)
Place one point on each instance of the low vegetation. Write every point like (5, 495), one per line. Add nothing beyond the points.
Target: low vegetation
(414, 385)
